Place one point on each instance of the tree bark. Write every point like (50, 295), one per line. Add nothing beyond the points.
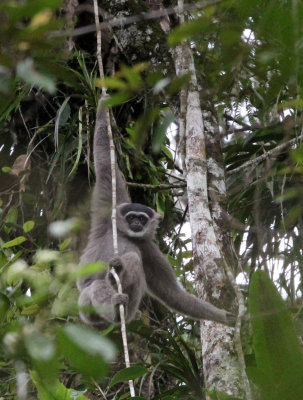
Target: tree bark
(220, 366)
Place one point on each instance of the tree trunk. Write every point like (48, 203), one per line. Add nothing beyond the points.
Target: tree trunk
(220, 366)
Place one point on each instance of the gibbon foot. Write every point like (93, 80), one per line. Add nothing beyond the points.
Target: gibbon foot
(118, 266)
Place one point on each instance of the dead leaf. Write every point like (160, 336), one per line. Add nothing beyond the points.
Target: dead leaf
(22, 166)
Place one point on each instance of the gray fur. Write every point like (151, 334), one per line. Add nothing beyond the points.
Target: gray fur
(141, 265)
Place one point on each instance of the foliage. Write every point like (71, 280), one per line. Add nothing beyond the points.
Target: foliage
(278, 352)
(26, 54)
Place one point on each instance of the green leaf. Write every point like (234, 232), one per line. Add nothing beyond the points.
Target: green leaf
(132, 75)
(160, 131)
(143, 124)
(11, 218)
(160, 202)
(15, 242)
(178, 83)
(127, 374)
(61, 118)
(5, 81)
(6, 169)
(28, 226)
(4, 262)
(56, 390)
(188, 30)
(30, 310)
(278, 353)
(168, 154)
(27, 72)
(79, 144)
(29, 9)
(87, 351)
(90, 269)
(111, 83)
(128, 166)
(65, 244)
(117, 99)
(42, 351)
(39, 347)
(4, 306)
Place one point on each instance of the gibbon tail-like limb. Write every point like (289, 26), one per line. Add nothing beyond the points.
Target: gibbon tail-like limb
(140, 265)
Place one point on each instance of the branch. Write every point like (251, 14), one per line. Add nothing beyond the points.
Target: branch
(161, 186)
(275, 151)
(242, 123)
(123, 21)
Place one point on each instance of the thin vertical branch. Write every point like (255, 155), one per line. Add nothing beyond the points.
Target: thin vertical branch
(88, 139)
(22, 379)
(237, 331)
(99, 43)
(114, 195)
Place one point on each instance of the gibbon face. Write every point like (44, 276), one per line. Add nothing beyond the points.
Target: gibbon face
(137, 220)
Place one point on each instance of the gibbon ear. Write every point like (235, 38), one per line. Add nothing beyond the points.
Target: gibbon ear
(158, 215)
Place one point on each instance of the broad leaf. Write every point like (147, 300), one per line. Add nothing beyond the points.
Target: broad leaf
(277, 348)
(87, 351)
(15, 242)
(127, 374)
(28, 226)
(55, 391)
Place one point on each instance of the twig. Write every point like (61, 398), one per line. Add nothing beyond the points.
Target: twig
(268, 154)
(99, 43)
(178, 178)
(242, 123)
(99, 388)
(114, 197)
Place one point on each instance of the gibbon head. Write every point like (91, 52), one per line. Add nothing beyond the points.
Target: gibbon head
(136, 220)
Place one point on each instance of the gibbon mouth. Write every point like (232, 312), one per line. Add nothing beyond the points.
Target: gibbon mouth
(136, 228)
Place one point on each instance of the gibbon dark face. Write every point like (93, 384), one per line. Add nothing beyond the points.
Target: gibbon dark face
(137, 216)
(136, 221)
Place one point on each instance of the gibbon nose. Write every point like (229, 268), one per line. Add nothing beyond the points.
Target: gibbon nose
(136, 227)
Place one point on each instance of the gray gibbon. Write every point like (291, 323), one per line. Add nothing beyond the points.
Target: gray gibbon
(141, 266)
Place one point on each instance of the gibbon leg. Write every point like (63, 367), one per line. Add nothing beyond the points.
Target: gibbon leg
(100, 296)
(131, 274)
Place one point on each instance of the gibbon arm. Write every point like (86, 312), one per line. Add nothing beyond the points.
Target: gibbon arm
(103, 187)
(162, 284)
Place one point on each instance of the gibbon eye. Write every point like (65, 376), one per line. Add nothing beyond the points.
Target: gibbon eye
(142, 219)
(130, 218)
